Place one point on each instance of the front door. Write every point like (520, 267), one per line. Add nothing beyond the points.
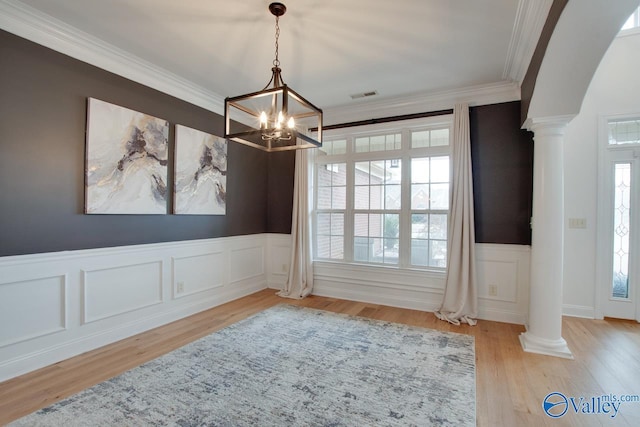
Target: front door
(619, 247)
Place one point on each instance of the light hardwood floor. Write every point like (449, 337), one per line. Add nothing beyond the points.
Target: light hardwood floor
(510, 384)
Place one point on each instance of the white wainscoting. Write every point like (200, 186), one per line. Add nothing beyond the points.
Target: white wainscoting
(504, 268)
(507, 269)
(57, 305)
(108, 292)
(17, 308)
(278, 259)
(198, 273)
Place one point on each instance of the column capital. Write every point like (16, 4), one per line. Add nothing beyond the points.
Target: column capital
(548, 125)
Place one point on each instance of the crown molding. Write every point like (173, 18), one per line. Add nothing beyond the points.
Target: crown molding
(36, 26)
(31, 24)
(493, 93)
(530, 18)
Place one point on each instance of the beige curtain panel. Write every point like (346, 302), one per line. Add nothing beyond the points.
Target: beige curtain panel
(300, 280)
(460, 303)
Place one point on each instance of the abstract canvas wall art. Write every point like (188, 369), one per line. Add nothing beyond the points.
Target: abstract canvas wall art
(126, 161)
(201, 173)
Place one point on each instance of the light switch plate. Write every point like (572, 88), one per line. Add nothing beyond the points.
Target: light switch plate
(577, 223)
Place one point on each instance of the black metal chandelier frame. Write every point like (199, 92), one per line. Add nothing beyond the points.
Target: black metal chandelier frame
(277, 129)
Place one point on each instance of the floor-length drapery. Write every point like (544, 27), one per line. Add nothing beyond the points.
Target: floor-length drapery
(460, 302)
(300, 280)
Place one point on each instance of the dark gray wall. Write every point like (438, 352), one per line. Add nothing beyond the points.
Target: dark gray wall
(280, 191)
(43, 96)
(502, 157)
(42, 137)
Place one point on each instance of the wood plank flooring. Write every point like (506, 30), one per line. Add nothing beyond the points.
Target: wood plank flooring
(510, 384)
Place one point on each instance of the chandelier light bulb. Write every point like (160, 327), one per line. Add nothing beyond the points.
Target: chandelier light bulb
(263, 120)
(291, 123)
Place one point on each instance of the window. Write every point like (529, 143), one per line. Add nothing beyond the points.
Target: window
(624, 131)
(331, 200)
(429, 211)
(621, 229)
(382, 195)
(633, 21)
(377, 210)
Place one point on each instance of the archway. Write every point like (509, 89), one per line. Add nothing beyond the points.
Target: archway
(580, 39)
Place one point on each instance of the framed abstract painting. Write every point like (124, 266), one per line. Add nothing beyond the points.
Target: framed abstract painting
(126, 161)
(200, 173)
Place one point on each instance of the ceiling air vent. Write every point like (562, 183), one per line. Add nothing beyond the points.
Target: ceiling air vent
(364, 94)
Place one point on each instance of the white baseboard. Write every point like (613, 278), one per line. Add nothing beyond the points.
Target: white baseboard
(498, 315)
(578, 311)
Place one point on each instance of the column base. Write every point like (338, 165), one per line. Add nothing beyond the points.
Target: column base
(533, 344)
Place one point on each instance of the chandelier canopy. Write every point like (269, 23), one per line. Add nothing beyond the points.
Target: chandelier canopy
(276, 118)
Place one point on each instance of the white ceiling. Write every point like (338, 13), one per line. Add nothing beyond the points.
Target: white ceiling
(329, 49)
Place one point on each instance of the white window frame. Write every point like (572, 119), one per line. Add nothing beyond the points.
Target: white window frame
(635, 29)
(405, 154)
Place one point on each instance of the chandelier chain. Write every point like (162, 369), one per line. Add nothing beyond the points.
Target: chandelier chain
(276, 62)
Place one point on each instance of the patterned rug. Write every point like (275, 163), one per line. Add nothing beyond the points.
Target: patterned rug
(289, 366)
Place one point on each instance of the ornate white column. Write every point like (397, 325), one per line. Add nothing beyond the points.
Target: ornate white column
(544, 330)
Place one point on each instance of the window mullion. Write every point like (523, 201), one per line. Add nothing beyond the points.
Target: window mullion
(348, 215)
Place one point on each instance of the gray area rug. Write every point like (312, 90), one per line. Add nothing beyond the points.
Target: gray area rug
(289, 366)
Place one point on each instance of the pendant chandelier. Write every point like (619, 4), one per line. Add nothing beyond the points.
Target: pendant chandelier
(275, 118)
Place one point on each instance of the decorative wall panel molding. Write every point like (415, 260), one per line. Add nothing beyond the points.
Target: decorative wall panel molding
(198, 273)
(246, 263)
(115, 290)
(31, 308)
(62, 304)
(278, 256)
(503, 282)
